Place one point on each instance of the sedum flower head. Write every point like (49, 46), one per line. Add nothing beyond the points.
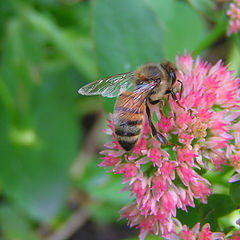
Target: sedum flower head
(206, 134)
(235, 236)
(197, 234)
(234, 15)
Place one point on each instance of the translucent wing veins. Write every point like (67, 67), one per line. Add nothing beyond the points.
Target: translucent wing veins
(110, 86)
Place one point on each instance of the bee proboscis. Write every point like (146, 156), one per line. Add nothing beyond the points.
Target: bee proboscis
(136, 92)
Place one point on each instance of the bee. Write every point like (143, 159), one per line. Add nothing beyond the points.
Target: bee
(136, 93)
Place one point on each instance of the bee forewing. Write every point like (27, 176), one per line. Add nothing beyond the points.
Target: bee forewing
(109, 87)
(137, 98)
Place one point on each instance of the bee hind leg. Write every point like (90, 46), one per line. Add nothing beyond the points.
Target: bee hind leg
(163, 140)
(155, 133)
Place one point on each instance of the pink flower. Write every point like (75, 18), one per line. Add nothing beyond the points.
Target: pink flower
(204, 134)
(139, 188)
(155, 155)
(141, 146)
(234, 161)
(201, 190)
(234, 14)
(186, 155)
(166, 124)
(129, 170)
(197, 234)
(235, 236)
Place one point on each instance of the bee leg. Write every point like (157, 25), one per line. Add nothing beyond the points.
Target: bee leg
(155, 133)
(163, 140)
(161, 104)
(176, 101)
(181, 89)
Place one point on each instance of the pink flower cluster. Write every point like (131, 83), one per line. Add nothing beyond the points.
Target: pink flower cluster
(196, 234)
(234, 14)
(206, 134)
(235, 236)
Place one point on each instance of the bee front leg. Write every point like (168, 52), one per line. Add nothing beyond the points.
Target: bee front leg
(176, 100)
(155, 133)
(181, 89)
(160, 102)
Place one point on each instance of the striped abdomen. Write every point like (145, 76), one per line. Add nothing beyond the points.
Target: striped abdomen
(128, 119)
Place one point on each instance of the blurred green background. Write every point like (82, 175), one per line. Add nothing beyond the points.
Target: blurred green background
(50, 184)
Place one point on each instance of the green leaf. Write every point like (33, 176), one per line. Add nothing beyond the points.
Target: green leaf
(104, 190)
(103, 187)
(40, 143)
(5, 11)
(14, 225)
(235, 192)
(19, 69)
(234, 57)
(77, 48)
(218, 205)
(184, 28)
(229, 222)
(36, 175)
(105, 212)
(108, 104)
(206, 8)
(127, 34)
(186, 218)
(219, 30)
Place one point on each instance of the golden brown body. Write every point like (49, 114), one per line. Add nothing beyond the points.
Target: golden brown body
(128, 120)
(128, 117)
(151, 83)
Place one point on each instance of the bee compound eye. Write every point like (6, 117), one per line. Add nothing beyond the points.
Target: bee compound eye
(173, 77)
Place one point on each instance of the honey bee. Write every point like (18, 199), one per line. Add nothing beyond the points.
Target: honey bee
(137, 91)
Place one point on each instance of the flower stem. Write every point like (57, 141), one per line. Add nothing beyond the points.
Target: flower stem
(218, 31)
(199, 11)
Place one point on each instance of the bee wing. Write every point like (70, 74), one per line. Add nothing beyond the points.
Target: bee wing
(136, 99)
(139, 94)
(109, 87)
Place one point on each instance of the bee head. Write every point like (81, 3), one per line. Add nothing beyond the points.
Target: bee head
(172, 71)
